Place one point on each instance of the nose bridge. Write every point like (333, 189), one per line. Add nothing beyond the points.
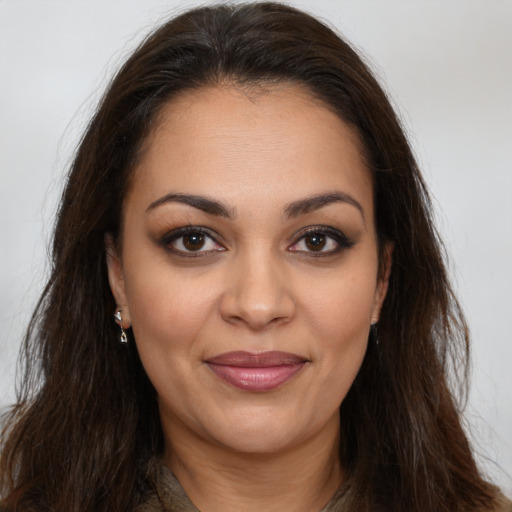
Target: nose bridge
(257, 293)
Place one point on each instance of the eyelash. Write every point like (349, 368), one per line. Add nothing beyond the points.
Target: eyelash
(179, 233)
(340, 239)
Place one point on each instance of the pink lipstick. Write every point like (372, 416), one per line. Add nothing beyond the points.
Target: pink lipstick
(262, 371)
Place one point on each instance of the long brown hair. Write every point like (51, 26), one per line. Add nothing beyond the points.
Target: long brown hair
(86, 421)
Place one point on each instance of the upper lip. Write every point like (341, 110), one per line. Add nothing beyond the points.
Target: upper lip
(256, 360)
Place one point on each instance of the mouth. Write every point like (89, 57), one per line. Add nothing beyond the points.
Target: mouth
(263, 371)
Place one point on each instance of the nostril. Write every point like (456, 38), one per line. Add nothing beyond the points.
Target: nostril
(257, 313)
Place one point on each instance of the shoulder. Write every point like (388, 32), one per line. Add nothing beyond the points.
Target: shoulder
(151, 504)
(167, 494)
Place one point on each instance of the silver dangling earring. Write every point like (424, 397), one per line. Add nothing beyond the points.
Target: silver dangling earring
(117, 315)
(374, 333)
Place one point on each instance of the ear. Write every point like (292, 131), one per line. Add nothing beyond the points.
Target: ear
(116, 278)
(385, 264)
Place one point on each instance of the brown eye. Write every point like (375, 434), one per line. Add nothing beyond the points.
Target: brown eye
(191, 241)
(194, 241)
(315, 241)
(322, 241)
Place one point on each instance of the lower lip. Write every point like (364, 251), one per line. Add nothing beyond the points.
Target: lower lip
(263, 378)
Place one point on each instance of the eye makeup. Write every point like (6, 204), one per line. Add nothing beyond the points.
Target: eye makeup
(320, 241)
(193, 241)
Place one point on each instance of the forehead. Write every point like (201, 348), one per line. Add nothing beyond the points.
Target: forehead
(223, 141)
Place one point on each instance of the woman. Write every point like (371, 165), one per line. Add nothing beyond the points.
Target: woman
(245, 216)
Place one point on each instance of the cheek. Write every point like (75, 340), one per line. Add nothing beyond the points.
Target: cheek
(168, 307)
(343, 306)
(168, 315)
(339, 314)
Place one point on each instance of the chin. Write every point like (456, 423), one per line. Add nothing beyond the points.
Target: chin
(253, 441)
(260, 432)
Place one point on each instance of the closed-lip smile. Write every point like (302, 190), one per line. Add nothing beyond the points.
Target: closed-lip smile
(262, 371)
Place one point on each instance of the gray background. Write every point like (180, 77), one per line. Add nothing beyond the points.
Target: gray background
(448, 67)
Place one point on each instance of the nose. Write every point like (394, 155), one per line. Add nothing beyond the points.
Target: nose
(258, 293)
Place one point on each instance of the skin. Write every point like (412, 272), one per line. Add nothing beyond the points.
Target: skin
(257, 284)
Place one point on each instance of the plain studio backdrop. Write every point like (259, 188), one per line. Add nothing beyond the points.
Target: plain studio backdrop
(447, 65)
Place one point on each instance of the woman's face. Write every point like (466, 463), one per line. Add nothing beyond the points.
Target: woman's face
(249, 268)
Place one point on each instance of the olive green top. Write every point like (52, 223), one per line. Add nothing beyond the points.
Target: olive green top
(169, 496)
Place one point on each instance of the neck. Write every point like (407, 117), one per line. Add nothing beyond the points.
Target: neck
(301, 478)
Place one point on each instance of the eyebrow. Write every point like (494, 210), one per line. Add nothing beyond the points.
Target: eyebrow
(294, 209)
(310, 204)
(200, 202)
